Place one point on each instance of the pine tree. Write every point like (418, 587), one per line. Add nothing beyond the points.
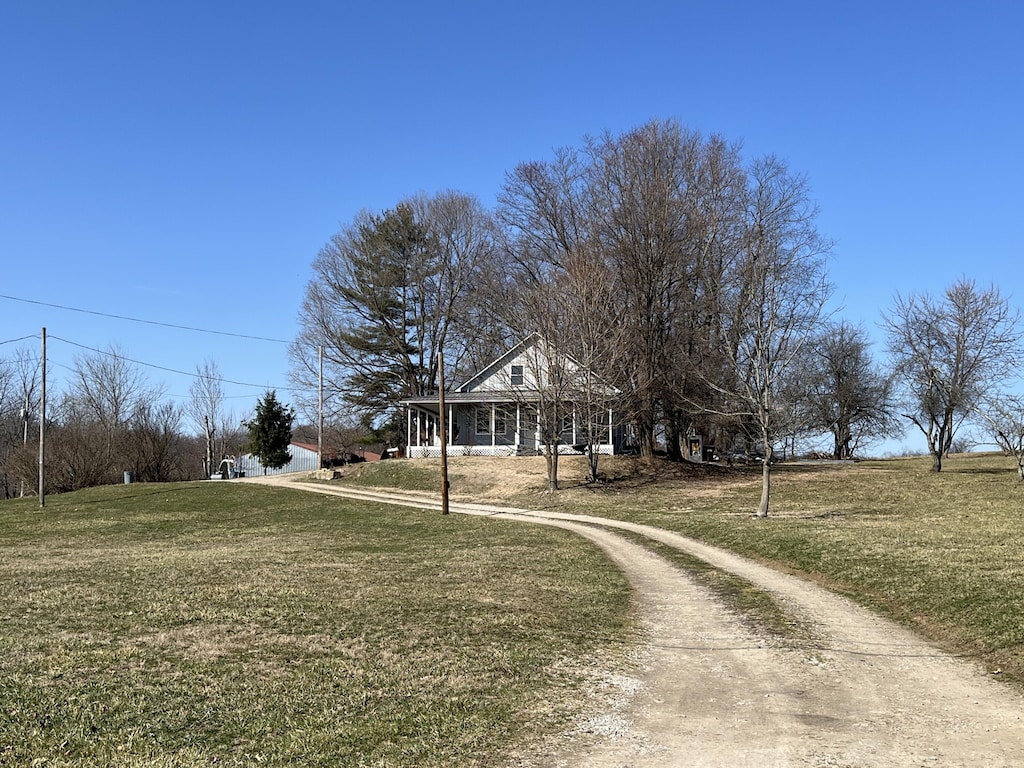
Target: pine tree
(270, 432)
(389, 291)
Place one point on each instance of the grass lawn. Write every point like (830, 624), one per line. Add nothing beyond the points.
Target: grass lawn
(226, 624)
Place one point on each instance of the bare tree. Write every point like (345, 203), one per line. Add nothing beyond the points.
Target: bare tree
(551, 406)
(599, 340)
(1003, 416)
(231, 438)
(778, 299)
(566, 291)
(28, 383)
(19, 413)
(76, 455)
(639, 183)
(158, 449)
(658, 213)
(844, 392)
(107, 387)
(206, 400)
(947, 353)
(10, 421)
(545, 385)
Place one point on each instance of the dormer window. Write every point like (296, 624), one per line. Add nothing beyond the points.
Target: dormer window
(516, 378)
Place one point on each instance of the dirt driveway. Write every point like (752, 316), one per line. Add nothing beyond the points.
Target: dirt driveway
(712, 692)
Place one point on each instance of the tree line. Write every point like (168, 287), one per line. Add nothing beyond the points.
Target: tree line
(107, 420)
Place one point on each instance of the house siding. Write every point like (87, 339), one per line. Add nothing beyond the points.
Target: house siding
(303, 460)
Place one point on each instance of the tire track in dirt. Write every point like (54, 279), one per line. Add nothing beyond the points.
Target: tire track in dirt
(714, 692)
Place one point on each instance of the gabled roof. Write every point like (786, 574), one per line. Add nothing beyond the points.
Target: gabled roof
(510, 354)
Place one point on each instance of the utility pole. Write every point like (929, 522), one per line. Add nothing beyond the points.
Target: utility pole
(444, 431)
(320, 412)
(42, 427)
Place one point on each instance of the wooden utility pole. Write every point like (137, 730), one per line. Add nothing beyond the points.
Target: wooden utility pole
(320, 411)
(42, 426)
(444, 431)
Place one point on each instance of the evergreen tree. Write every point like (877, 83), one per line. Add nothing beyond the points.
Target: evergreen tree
(270, 432)
(388, 293)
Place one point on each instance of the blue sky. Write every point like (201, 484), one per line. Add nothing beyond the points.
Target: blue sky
(183, 162)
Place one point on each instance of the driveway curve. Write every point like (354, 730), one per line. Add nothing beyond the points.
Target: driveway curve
(714, 692)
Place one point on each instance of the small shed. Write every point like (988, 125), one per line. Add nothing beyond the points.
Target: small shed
(304, 459)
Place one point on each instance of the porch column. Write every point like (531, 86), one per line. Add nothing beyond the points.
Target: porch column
(611, 435)
(451, 429)
(574, 440)
(519, 408)
(493, 410)
(408, 425)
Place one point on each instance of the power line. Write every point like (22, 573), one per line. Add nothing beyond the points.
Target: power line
(168, 370)
(147, 322)
(15, 341)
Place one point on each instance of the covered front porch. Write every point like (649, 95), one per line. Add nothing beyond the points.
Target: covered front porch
(498, 428)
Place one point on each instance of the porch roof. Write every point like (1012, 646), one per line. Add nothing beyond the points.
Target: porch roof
(493, 396)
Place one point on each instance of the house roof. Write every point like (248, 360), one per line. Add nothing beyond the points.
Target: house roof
(488, 396)
(497, 364)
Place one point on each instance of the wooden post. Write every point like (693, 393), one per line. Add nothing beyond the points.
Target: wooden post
(42, 426)
(444, 432)
(320, 412)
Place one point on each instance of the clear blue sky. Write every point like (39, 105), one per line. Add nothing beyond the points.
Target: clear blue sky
(183, 162)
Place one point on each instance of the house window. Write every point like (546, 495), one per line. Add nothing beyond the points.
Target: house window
(516, 379)
(501, 420)
(483, 421)
(529, 418)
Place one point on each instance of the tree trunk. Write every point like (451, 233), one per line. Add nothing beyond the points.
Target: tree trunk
(766, 485)
(551, 459)
(645, 436)
(673, 447)
(592, 458)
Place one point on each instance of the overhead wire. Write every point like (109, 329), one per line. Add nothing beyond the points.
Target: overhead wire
(192, 375)
(15, 341)
(140, 320)
(164, 368)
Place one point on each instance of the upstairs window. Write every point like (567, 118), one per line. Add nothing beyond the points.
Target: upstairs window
(516, 378)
